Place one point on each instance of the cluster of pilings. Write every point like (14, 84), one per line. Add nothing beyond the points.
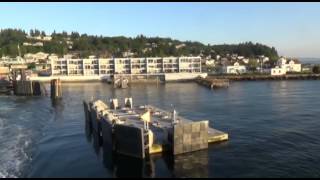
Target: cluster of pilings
(212, 83)
(27, 88)
(120, 82)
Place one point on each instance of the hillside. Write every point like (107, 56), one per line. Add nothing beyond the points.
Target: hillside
(84, 45)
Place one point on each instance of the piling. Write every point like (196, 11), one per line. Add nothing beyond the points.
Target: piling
(23, 88)
(56, 89)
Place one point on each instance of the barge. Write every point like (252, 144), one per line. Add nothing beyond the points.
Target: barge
(139, 131)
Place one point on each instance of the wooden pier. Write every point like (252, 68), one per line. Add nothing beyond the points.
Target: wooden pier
(139, 131)
(212, 82)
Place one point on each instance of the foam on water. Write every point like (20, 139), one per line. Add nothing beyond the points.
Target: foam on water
(18, 134)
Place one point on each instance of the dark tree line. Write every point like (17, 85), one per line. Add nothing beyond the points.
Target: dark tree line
(141, 45)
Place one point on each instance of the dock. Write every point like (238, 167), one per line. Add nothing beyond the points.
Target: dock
(213, 82)
(139, 131)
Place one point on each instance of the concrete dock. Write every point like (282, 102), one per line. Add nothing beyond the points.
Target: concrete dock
(139, 131)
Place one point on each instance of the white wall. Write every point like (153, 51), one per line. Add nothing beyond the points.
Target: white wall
(277, 71)
(234, 69)
(183, 76)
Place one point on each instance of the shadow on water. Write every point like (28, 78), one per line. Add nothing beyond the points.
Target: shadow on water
(122, 166)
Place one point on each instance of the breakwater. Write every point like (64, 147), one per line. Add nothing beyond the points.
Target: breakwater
(266, 77)
(212, 82)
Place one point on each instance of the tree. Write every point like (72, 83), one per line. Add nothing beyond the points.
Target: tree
(316, 69)
(32, 65)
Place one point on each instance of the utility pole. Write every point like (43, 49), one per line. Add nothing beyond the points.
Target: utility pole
(19, 52)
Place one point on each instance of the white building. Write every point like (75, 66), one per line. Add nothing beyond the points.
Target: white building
(109, 66)
(37, 44)
(236, 68)
(289, 65)
(210, 62)
(180, 46)
(41, 38)
(245, 60)
(278, 71)
(34, 58)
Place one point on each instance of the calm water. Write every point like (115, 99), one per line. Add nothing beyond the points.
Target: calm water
(273, 129)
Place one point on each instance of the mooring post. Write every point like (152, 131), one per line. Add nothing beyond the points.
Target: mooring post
(56, 90)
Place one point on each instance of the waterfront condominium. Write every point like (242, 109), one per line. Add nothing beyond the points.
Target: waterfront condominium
(110, 66)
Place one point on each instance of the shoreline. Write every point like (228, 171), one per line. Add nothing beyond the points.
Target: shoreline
(266, 77)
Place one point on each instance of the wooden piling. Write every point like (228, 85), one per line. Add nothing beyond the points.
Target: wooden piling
(56, 89)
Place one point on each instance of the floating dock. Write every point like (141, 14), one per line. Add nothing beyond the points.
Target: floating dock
(139, 131)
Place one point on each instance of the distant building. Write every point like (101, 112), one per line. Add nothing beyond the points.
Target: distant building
(245, 60)
(235, 68)
(306, 68)
(41, 38)
(180, 46)
(37, 44)
(34, 58)
(109, 66)
(128, 54)
(265, 59)
(289, 65)
(278, 71)
(210, 62)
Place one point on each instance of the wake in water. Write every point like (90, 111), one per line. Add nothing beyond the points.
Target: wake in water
(20, 126)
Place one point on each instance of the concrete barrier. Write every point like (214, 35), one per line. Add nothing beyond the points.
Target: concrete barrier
(188, 137)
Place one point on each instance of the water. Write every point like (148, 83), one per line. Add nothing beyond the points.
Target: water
(273, 128)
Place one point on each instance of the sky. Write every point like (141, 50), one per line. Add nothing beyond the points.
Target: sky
(292, 28)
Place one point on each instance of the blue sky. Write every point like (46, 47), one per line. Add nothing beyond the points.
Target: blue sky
(293, 28)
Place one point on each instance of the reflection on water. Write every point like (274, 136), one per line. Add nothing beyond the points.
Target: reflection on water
(192, 165)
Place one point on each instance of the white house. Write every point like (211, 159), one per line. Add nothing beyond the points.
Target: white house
(265, 59)
(278, 71)
(240, 57)
(289, 65)
(245, 60)
(210, 62)
(30, 58)
(236, 68)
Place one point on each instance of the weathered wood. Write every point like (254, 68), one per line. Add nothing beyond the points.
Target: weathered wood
(213, 83)
(56, 89)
